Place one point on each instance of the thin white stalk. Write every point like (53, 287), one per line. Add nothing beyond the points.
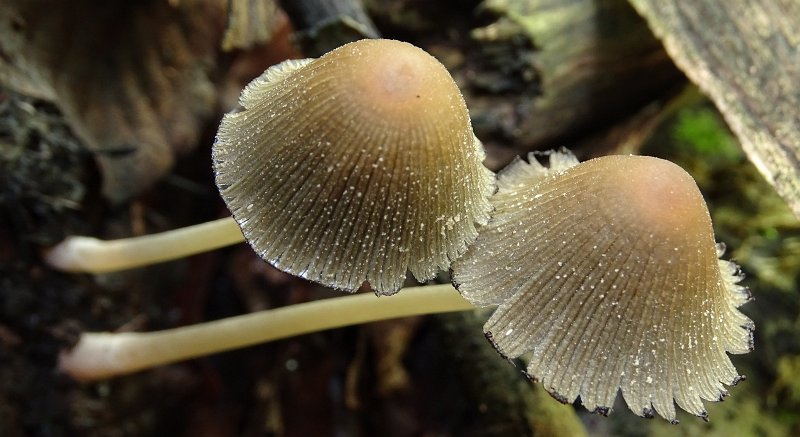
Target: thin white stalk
(91, 255)
(103, 355)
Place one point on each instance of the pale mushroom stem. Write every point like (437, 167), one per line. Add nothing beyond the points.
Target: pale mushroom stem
(91, 255)
(103, 355)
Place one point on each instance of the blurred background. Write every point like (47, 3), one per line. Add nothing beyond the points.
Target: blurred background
(107, 114)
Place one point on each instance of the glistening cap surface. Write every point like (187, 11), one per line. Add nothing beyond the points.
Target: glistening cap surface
(608, 274)
(356, 166)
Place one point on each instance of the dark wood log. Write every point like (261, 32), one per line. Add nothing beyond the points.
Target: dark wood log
(323, 25)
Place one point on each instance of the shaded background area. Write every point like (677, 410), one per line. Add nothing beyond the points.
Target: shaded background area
(107, 115)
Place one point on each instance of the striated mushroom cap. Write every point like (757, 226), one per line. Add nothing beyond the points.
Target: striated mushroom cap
(359, 165)
(608, 274)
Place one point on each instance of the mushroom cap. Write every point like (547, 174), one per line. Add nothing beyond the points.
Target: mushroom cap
(359, 165)
(607, 273)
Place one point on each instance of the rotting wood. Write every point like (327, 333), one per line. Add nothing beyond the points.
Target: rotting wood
(746, 56)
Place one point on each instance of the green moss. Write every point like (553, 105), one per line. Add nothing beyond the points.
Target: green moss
(787, 383)
(700, 130)
(763, 237)
(743, 417)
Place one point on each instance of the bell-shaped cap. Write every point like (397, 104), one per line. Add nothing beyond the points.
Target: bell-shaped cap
(356, 166)
(607, 273)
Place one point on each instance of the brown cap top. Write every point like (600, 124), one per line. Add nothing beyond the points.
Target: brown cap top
(607, 271)
(356, 166)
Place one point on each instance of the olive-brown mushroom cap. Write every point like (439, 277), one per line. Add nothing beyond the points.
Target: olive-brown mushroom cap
(359, 165)
(608, 274)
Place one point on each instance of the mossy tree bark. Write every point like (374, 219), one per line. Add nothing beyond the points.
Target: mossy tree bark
(746, 56)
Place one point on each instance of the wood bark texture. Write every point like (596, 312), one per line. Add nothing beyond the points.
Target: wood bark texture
(746, 56)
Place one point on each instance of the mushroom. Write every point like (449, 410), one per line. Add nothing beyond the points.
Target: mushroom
(607, 275)
(362, 165)
(99, 355)
(78, 253)
(357, 166)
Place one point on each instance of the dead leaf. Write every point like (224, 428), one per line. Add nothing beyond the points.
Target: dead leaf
(132, 79)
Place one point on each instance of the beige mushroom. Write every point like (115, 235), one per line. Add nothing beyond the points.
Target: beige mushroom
(356, 166)
(607, 276)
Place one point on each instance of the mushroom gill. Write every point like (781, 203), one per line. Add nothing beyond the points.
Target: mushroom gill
(607, 273)
(359, 165)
